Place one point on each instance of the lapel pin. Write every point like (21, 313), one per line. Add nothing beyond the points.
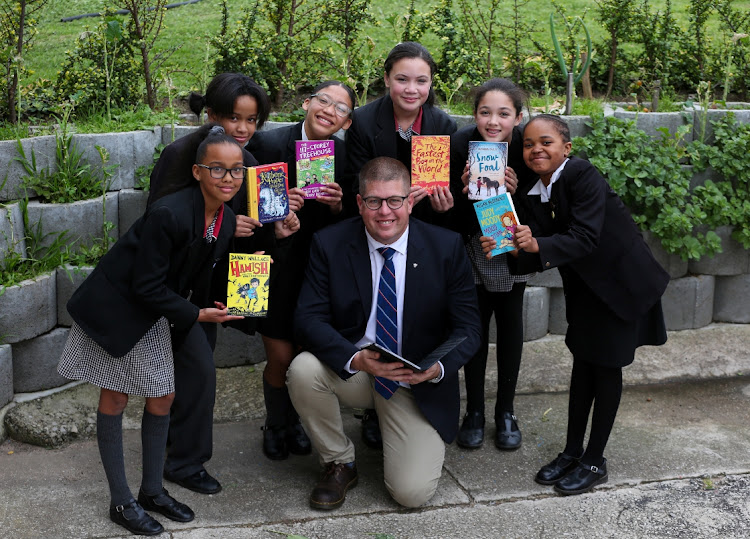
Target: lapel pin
(415, 264)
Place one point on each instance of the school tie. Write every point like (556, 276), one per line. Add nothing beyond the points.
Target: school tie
(386, 318)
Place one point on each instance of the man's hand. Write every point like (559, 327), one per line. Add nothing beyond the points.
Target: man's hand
(246, 226)
(419, 377)
(368, 361)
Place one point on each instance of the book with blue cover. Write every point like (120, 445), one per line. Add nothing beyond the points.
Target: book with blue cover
(498, 219)
(487, 164)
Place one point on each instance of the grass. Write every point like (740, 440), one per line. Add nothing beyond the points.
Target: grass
(190, 26)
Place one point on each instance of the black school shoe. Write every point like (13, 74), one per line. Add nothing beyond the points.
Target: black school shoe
(296, 439)
(582, 479)
(508, 435)
(274, 442)
(133, 518)
(551, 473)
(371, 430)
(166, 505)
(471, 433)
(201, 482)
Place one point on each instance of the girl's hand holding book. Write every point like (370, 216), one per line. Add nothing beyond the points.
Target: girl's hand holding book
(218, 314)
(296, 199)
(524, 240)
(246, 226)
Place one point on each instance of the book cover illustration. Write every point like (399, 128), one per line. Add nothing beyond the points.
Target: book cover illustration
(267, 193)
(487, 163)
(430, 161)
(247, 286)
(315, 165)
(497, 218)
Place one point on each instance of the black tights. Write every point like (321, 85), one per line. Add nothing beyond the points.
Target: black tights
(508, 309)
(602, 387)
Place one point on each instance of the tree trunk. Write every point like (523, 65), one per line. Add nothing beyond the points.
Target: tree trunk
(611, 73)
(586, 80)
(13, 86)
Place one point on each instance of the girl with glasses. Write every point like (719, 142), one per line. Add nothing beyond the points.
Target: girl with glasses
(327, 111)
(239, 105)
(132, 316)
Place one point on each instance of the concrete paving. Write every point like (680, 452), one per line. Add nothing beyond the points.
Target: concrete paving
(679, 466)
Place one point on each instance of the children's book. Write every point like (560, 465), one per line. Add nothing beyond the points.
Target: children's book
(497, 218)
(487, 163)
(315, 166)
(267, 193)
(420, 366)
(247, 287)
(430, 161)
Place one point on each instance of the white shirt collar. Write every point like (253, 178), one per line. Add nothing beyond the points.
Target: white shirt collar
(304, 133)
(399, 245)
(544, 191)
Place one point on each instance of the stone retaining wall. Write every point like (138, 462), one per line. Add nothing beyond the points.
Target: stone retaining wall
(34, 322)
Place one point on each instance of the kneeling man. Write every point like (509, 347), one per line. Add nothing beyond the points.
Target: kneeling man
(407, 286)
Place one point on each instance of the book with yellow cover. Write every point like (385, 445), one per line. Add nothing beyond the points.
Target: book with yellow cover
(430, 161)
(267, 192)
(247, 286)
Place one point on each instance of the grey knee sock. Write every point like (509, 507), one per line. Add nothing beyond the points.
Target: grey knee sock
(154, 429)
(109, 438)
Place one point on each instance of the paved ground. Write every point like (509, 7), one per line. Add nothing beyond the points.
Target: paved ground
(679, 466)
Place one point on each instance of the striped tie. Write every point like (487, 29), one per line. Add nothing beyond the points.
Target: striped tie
(386, 319)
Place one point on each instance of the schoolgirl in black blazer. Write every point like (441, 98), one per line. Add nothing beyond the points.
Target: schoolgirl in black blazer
(137, 306)
(573, 220)
(328, 110)
(239, 105)
(498, 110)
(408, 106)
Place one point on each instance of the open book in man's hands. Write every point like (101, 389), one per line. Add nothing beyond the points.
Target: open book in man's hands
(428, 361)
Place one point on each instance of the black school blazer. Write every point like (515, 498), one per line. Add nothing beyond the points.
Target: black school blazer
(594, 235)
(150, 272)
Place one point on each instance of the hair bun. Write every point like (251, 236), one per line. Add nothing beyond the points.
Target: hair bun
(217, 130)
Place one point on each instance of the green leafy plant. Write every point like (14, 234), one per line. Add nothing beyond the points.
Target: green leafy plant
(572, 77)
(101, 71)
(74, 178)
(649, 177)
(37, 257)
(727, 202)
(143, 173)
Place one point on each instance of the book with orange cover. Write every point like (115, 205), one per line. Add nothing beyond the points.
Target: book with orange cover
(430, 161)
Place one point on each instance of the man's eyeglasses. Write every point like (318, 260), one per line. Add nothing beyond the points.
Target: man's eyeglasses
(218, 173)
(325, 101)
(394, 202)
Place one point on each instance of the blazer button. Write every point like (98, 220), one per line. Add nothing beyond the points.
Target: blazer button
(547, 264)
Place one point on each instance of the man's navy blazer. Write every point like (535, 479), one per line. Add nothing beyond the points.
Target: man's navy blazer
(439, 302)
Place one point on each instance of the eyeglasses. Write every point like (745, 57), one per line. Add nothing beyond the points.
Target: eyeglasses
(218, 173)
(325, 101)
(394, 202)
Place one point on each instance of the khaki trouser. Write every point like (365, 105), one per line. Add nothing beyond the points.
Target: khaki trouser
(413, 451)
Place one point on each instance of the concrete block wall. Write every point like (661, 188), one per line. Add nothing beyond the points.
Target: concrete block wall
(34, 324)
(12, 234)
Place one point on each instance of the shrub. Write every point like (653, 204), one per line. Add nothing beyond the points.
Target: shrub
(83, 77)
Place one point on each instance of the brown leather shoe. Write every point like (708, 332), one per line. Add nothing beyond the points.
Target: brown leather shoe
(336, 479)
